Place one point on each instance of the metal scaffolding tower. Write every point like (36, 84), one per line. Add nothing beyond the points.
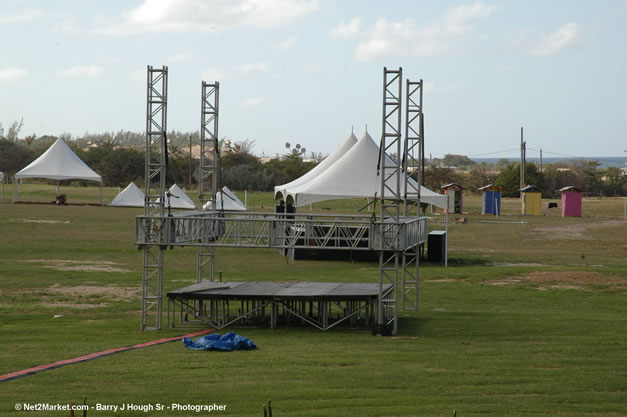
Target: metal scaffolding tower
(154, 188)
(390, 172)
(396, 233)
(412, 167)
(209, 170)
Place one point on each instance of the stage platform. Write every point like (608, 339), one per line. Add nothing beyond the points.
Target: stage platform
(323, 305)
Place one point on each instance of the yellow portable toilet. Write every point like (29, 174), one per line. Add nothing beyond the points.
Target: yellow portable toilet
(531, 201)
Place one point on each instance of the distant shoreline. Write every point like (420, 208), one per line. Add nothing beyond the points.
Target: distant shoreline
(605, 161)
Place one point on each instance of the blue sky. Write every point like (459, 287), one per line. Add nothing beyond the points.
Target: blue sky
(307, 71)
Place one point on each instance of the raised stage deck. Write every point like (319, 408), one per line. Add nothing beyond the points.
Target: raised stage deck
(321, 304)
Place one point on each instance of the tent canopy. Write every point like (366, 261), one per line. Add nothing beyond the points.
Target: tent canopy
(131, 196)
(178, 199)
(59, 162)
(280, 191)
(354, 175)
(226, 200)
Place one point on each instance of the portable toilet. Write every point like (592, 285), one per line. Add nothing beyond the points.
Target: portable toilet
(491, 199)
(531, 200)
(571, 201)
(456, 197)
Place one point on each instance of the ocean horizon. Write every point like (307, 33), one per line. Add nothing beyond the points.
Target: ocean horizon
(605, 161)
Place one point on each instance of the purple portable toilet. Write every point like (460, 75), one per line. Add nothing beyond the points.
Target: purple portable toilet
(571, 201)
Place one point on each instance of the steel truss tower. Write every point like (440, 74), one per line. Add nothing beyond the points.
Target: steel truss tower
(412, 167)
(390, 172)
(154, 188)
(209, 170)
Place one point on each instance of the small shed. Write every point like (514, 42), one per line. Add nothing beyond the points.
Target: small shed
(531, 200)
(571, 201)
(491, 201)
(456, 197)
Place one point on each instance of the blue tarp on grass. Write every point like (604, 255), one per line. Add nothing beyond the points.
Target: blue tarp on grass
(226, 342)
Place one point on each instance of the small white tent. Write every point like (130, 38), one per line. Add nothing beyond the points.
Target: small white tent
(178, 199)
(59, 162)
(226, 200)
(280, 190)
(354, 175)
(131, 196)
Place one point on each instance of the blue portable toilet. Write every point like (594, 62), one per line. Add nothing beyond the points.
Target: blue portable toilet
(491, 203)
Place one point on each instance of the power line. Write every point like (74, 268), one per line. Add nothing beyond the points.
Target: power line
(492, 153)
(576, 157)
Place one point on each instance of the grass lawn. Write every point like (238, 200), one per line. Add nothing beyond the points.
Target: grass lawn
(529, 319)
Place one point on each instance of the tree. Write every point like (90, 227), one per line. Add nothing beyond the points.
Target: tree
(437, 177)
(556, 176)
(288, 168)
(239, 158)
(14, 130)
(28, 140)
(452, 160)
(509, 178)
(13, 157)
(613, 181)
(245, 146)
(481, 175)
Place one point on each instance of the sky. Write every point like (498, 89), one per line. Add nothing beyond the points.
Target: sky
(310, 71)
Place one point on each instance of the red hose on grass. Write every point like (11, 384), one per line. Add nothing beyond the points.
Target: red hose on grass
(31, 371)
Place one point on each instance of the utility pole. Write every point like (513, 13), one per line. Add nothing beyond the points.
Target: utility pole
(523, 157)
(540, 159)
(189, 185)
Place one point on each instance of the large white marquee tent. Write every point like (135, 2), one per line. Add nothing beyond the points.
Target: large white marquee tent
(59, 162)
(280, 191)
(353, 175)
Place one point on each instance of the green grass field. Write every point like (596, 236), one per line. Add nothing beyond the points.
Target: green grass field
(529, 319)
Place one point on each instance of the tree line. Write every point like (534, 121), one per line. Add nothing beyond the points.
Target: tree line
(585, 175)
(119, 158)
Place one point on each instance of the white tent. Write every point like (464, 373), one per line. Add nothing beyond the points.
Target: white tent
(178, 199)
(226, 200)
(59, 162)
(131, 196)
(354, 175)
(280, 190)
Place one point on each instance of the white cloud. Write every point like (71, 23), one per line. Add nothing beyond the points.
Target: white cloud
(12, 74)
(81, 71)
(139, 75)
(67, 27)
(182, 57)
(22, 17)
(288, 43)
(520, 38)
(253, 101)
(205, 16)
(436, 38)
(346, 30)
(556, 41)
(615, 70)
(248, 68)
(212, 74)
(446, 89)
